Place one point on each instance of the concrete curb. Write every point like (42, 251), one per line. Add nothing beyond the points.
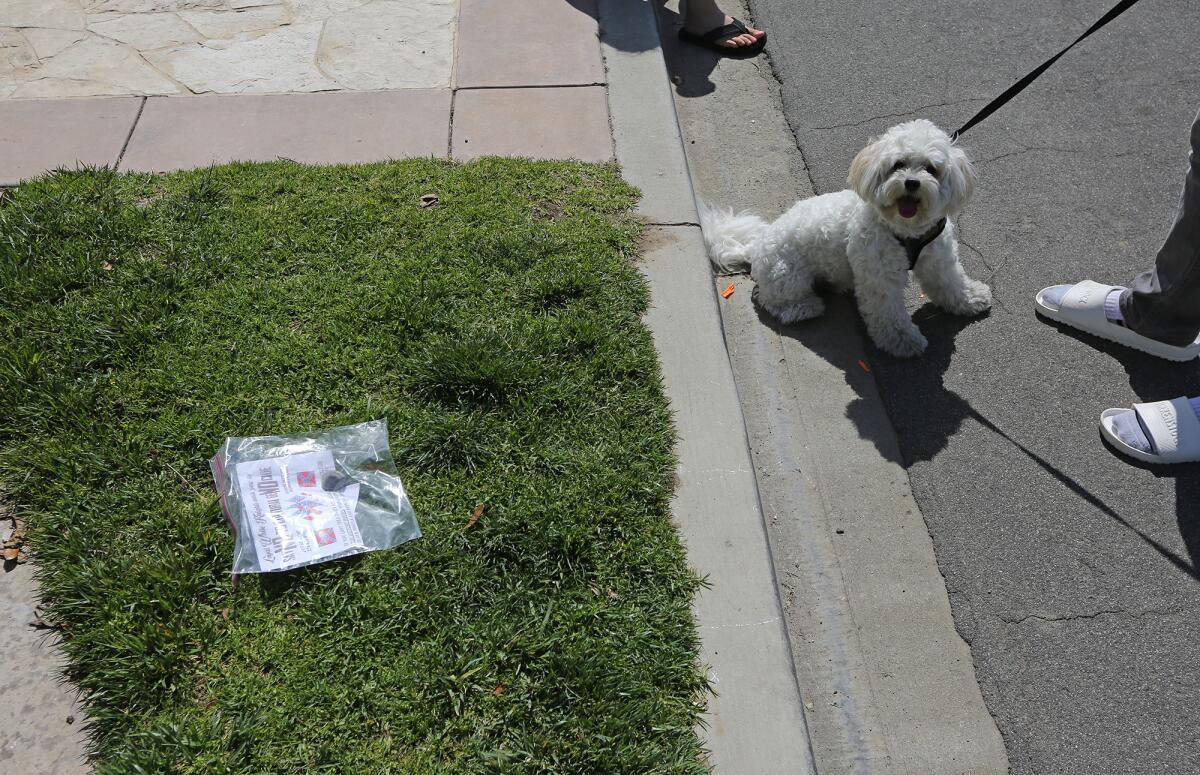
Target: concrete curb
(755, 720)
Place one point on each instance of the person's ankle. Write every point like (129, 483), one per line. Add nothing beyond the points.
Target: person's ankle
(703, 22)
(1112, 306)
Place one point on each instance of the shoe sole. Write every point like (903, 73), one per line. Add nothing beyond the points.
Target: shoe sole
(1157, 349)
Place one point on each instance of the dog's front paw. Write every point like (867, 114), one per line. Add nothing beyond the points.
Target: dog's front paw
(901, 342)
(976, 298)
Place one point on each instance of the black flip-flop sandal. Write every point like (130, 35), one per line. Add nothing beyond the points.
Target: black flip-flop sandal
(713, 38)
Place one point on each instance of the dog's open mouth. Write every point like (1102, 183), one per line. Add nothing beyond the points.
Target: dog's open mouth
(907, 206)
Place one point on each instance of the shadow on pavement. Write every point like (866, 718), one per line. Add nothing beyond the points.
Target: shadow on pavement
(925, 414)
(634, 43)
(1153, 379)
(690, 66)
(929, 413)
(933, 413)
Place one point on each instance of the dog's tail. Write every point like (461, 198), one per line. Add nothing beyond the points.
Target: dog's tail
(733, 239)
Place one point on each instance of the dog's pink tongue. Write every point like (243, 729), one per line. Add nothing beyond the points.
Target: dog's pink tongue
(907, 206)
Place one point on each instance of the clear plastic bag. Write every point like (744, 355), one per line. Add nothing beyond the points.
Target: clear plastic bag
(300, 500)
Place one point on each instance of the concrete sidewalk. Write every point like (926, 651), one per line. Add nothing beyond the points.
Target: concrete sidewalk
(160, 85)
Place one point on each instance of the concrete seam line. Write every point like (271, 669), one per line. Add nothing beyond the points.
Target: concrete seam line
(450, 124)
(532, 86)
(129, 137)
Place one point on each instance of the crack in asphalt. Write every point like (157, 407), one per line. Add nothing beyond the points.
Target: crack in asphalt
(1049, 148)
(977, 252)
(776, 86)
(997, 302)
(899, 115)
(1105, 612)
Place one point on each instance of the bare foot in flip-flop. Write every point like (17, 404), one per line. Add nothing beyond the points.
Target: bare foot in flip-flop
(705, 24)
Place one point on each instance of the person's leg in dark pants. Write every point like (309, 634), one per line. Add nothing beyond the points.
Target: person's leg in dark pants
(1161, 309)
(1164, 303)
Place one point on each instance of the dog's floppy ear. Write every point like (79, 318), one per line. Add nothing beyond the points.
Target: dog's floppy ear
(864, 171)
(960, 180)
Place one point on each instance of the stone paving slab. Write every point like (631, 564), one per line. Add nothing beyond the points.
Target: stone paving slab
(566, 123)
(81, 48)
(40, 135)
(334, 128)
(528, 43)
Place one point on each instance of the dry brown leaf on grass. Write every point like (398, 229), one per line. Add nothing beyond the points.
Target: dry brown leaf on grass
(475, 515)
(14, 546)
(498, 690)
(38, 624)
(429, 200)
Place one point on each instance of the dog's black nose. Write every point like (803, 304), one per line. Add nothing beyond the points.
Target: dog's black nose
(912, 185)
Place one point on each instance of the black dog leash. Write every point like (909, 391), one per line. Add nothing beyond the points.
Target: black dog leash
(1020, 85)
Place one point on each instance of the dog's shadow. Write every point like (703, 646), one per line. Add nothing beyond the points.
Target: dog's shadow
(909, 414)
(922, 414)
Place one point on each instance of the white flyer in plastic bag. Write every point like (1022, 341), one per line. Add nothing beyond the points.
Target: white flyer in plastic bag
(306, 498)
(295, 520)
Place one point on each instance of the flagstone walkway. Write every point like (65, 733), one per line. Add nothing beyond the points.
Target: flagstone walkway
(93, 48)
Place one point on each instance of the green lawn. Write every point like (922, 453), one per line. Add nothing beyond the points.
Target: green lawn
(146, 318)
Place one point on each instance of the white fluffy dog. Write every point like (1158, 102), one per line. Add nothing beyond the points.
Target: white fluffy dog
(904, 187)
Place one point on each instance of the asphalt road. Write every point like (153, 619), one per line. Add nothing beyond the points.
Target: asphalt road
(1074, 576)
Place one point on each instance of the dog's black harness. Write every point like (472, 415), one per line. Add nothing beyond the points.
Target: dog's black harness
(914, 245)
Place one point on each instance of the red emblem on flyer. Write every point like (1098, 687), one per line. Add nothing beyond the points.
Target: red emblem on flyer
(325, 536)
(306, 479)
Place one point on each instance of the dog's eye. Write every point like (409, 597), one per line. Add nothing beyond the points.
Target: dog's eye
(932, 170)
(898, 165)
